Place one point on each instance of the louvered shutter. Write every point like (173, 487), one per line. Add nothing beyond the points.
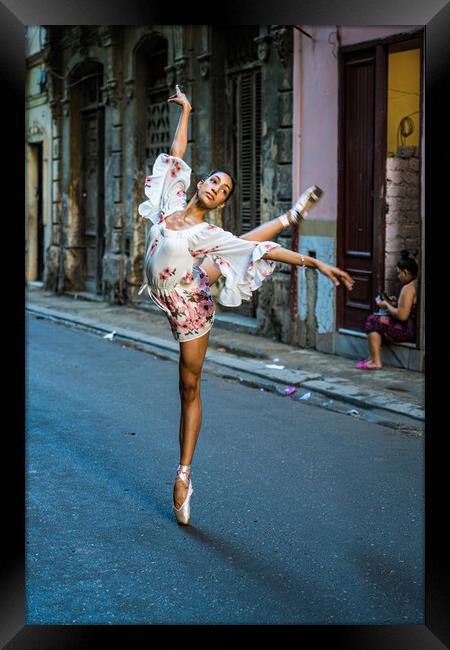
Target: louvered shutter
(248, 147)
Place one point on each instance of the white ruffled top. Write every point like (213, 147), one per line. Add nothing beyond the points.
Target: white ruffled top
(172, 254)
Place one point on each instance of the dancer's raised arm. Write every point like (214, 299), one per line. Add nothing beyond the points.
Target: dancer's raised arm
(335, 274)
(180, 140)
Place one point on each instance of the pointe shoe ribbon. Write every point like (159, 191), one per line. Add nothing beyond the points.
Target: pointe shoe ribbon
(183, 513)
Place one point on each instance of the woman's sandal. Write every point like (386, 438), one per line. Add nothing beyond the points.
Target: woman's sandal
(363, 365)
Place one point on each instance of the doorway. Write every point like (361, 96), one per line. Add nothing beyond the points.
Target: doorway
(87, 172)
(380, 99)
(92, 197)
(36, 228)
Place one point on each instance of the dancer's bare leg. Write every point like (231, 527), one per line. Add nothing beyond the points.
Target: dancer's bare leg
(264, 232)
(192, 355)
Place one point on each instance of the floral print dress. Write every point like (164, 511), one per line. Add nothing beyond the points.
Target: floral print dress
(175, 280)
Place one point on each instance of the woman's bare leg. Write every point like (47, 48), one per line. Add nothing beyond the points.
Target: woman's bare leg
(375, 341)
(192, 355)
(264, 232)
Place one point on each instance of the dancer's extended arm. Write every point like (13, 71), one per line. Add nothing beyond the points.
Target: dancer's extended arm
(180, 140)
(335, 274)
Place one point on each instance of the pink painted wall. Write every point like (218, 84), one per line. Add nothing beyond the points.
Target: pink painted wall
(315, 92)
(315, 128)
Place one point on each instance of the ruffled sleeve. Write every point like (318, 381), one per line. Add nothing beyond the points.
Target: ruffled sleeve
(166, 188)
(239, 260)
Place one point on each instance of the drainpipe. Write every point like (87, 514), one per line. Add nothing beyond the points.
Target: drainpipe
(296, 159)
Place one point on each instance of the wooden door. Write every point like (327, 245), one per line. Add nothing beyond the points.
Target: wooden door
(92, 197)
(40, 215)
(362, 164)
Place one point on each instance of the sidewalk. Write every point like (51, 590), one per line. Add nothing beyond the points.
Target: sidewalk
(393, 397)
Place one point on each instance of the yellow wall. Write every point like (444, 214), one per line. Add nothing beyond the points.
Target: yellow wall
(403, 96)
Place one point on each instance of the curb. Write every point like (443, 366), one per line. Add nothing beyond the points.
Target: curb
(307, 380)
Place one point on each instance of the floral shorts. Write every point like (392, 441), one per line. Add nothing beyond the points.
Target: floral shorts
(190, 310)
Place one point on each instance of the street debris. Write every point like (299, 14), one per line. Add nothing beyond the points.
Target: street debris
(353, 412)
(274, 360)
(110, 336)
(274, 366)
(289, 390)
(261, 389)
(306, 396)
(328, 402)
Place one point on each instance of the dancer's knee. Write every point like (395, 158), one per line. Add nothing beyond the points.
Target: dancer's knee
(189, 386)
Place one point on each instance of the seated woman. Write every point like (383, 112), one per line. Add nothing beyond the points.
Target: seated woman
(399, 323)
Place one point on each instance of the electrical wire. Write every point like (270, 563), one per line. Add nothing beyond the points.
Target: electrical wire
(336, 43)
(405, 128)
(403, 92)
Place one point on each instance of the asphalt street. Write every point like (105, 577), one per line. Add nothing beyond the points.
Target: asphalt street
(299, 515)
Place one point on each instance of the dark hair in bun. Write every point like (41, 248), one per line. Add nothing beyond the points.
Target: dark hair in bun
(407, 263)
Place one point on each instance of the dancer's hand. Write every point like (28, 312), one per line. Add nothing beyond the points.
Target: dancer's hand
(336, 275)
(180, 98)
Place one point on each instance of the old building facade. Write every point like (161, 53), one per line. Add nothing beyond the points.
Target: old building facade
(358, 131)
(283, 106)
(104, 91)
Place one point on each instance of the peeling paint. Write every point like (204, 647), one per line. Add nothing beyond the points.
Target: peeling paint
(324, 309)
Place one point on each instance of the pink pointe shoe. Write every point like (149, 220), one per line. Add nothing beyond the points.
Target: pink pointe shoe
(305, 202)
(183, 513)
(299, 210)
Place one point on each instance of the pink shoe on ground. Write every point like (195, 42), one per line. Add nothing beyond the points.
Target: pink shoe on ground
(363, 365)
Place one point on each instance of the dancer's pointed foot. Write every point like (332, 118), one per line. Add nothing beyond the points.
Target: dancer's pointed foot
(182, 494)
(305, 202)
(180, 490)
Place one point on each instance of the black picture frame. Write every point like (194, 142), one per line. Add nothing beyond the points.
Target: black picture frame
(435, 16)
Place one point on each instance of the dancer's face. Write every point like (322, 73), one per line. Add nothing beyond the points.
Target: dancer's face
(214, 191)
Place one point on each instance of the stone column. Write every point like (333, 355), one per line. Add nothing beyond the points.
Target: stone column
(275, 50)
(182, 73)
(134, 178)
(72, 244)
(53, 275)
(203, 105)
(114, 260)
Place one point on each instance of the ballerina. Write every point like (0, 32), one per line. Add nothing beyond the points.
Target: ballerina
(185, 256)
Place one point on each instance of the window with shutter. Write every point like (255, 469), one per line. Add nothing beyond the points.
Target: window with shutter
(151, 93)
(243, 143)
(248, 148)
